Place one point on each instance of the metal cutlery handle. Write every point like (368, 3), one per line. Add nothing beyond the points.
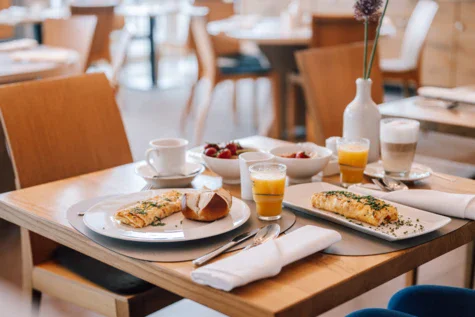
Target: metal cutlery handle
(205, 258)
(449, 179)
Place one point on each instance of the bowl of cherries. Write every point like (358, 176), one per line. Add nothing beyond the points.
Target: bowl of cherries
(223, 160)
(302, 160)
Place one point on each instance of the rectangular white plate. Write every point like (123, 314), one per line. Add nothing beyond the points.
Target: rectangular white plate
(416, 222)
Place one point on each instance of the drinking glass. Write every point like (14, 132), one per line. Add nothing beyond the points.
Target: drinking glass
(268, 186)
(398, 145)
(352, 158)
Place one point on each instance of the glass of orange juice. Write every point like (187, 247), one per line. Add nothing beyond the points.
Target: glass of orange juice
(268, 185)
(352, 158)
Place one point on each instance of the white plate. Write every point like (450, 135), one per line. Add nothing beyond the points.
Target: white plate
(147, 173)
(418, 172)
(298, 197)
(100, 218)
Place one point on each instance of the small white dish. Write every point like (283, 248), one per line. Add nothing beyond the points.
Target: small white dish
(148, 174)
(418, 172)
(100, 218)
(301, 170)
(416, 222)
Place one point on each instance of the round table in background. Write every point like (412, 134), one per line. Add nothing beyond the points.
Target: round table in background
(277, 43)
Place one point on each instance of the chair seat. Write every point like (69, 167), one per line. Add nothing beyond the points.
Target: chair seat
(239, 64)
(101, 274)
(396, 65)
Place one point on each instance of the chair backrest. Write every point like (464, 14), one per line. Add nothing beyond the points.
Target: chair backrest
(331, 30)
(105, 25)
(329, 76)
(6, 31)
(417, 30)
(69, 126)
(120, 54)
(219, 10)
(75, 33)
(204, 46)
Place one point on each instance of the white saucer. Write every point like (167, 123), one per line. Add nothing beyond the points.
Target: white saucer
(179, 181)
(418, 172)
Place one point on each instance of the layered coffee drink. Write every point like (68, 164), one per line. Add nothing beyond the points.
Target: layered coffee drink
(398, 145)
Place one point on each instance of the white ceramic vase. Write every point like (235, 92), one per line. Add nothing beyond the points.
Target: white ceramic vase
(361, 118)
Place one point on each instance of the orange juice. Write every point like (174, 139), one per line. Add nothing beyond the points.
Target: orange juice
(352, 159)
(268, 193)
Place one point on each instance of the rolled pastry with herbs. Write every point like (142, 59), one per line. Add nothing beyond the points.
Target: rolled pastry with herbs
(151, 211)
(363, 208)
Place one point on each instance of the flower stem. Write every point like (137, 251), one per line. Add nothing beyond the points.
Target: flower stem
(373, 52)
(365, 54)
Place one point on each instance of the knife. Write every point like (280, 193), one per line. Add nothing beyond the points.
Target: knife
(236, 240)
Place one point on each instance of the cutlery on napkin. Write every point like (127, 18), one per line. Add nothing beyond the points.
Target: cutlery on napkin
(265, 260)
(448, 204)
(449, 94)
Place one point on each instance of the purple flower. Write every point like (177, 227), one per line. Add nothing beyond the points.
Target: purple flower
(368, 9)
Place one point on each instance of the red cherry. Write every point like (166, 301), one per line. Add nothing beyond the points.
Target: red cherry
(232, 147)
(302, 155)
(225, 154)
(211, 145)
(211, 151)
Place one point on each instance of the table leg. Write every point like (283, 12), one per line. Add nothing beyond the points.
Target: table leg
(153, 61)
(283, 62)
(38, 32)
(149, 81)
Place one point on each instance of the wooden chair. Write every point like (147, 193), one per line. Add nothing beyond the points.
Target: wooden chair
(327, 30)
(329, 76)
(75, 33)
(407, 67)
(242, 67)
(6, 31)
(112, 70)
(105, 25)
(70, 126)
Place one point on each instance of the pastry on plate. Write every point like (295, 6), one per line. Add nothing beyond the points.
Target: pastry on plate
(207, 205)
(151, 211)
(363, 208)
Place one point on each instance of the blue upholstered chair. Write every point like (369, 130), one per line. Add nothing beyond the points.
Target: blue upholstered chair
(426, 301)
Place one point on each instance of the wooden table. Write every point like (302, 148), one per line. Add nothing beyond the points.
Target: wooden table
(14, 16)
(277, 43)
(459, 120)
(15, 71)
(305, 288)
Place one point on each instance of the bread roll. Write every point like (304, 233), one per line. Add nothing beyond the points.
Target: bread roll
(207, 205)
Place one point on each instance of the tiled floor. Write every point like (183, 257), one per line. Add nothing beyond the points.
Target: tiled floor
(155, 114)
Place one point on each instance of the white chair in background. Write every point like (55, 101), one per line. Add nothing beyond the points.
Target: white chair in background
(407, 67)
(118, 58)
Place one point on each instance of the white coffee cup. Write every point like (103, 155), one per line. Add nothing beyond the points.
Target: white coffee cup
(167, 157)
(245, 160)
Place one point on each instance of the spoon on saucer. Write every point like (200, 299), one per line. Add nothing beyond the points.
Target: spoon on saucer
(189, 173)
(393, 184)
(267, 233)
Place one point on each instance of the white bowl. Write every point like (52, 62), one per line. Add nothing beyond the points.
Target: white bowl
(228, 169)
(147, 173)
(302, 170)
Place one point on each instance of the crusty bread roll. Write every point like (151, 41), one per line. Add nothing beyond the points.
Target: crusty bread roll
(207, 205)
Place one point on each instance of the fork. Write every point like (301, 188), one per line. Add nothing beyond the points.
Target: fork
(146, 187)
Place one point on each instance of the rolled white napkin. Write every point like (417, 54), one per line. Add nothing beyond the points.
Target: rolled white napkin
(448, 204)
(449, 94)
(15, 45)
(265, 260)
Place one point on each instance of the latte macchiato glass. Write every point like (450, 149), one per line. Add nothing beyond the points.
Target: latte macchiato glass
(398, 145)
